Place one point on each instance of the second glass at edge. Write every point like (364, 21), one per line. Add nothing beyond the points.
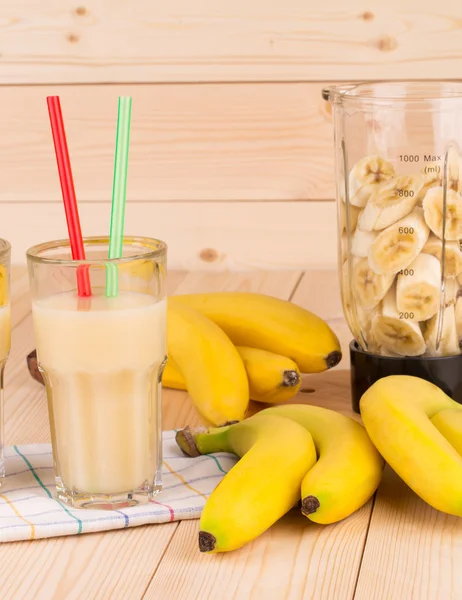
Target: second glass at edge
(102, 359)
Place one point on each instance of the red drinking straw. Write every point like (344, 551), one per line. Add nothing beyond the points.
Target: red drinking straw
(68, 191)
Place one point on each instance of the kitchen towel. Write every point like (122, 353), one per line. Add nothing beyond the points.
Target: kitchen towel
(29, 510)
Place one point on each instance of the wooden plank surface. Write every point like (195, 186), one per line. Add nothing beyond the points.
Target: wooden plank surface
(143, 41)
(413, 552)
(406, 551)
(202, 142)
(200, 236)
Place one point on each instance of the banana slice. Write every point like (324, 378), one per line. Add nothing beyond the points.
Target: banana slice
(365, 176)
(398, 245)
(458, 317)
(451, 290)
(369, 287)
(448, 344)
(418, 288)
(353, 213)
(392, 201)
(394, 333)
(452, 254)
(433, 174)
(362, 241)
(433, 205)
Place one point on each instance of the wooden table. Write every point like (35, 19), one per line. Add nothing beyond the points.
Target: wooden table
(394, 548)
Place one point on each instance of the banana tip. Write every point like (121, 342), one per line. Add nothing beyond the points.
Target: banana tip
(310, 505)
(185, 440)
(207, 541)
(333, 359)
(290, 379)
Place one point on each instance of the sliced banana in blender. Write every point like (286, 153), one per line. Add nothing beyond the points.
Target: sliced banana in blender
(367, 174)
(369, 287)
(393, 332)
(433, 174)
(433, 205)
(452, 254)
(458, 317)
(392, 201)
(448, 344)
(361, 242)
(451, 291)
(398, 245)
(418, 288)
(350, 220)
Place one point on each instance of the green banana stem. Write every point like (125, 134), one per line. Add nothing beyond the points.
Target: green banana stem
(195, 442)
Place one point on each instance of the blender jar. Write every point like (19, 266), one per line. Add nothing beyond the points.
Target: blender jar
(398, 161)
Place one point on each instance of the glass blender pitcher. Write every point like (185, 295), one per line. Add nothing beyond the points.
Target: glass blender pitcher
(398, 161)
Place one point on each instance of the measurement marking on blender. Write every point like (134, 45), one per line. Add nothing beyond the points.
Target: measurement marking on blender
(406, 272)
(406, 230)
(406, 315)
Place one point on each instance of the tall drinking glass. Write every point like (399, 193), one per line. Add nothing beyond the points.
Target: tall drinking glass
(5, 334)
(102, 359)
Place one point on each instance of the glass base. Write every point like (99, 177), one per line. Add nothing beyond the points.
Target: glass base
(77, 499)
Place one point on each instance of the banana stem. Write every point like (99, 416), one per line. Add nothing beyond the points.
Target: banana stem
(215, 440)
(195, 442)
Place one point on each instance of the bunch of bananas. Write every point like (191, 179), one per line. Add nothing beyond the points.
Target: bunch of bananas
(392, 250)
(329, 462)
(226, 348)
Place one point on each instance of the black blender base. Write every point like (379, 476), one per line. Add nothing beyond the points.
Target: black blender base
(366, 369)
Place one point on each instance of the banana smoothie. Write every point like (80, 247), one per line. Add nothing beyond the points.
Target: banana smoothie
(101, 362)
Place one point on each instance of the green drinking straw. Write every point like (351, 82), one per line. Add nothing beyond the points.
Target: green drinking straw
(119, 193)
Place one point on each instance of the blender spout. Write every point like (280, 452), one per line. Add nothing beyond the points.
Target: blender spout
(333, 93)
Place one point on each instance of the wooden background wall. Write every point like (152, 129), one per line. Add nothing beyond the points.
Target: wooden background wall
(231, 155)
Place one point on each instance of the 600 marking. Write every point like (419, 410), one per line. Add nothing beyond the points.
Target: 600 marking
(406, 230)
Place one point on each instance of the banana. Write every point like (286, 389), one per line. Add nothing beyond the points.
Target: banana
(369, 287)
(275, 454)
(435, 213)
(348, 470)
(359, 319)
(367, 174)
(396, 412)
(394, 332)
(449, 423)
(418, 288)
(452, 254)
(398, 245)
(361, 242)
(392, 201)
(344, 245)
(446, 343)
(458, 317)
(451, 290)
(271, 324)
(434, 174)
(272, 378)
(348, 216)
(210, 363)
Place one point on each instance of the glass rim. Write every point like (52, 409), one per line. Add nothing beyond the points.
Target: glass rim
(430, 90)
(155, 249)
(5, 248)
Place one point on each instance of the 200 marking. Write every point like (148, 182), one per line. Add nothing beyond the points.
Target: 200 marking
(406, 315)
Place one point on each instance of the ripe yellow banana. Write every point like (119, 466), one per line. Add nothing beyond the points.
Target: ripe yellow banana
(275, 453)
(268, 323)
(449, 423)
(349, 468)
(217, 381)
(397, 412)
(272, 378)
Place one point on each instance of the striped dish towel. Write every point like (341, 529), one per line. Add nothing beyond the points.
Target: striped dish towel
(28, 509)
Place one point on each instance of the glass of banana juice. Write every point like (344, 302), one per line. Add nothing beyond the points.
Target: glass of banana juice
(5, 334)
(102, 358)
